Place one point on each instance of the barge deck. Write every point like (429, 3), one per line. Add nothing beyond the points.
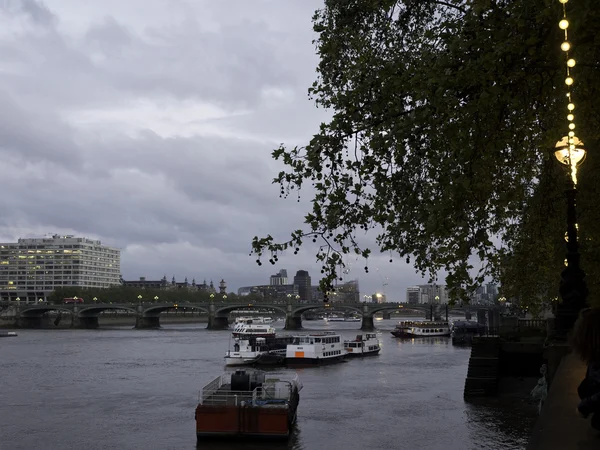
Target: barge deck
(248, 404)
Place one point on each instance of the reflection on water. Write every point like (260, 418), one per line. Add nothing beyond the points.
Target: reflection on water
(137, 389)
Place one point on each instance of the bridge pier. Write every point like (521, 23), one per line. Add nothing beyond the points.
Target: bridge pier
(367, 323)
(85, 322)
(387, 315)
(148, 322)
(217, 323)
(293, 322)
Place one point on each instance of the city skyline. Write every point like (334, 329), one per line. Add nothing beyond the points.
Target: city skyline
(169, 162)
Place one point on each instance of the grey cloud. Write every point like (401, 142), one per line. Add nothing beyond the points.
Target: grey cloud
(176, 203)
(37, 12)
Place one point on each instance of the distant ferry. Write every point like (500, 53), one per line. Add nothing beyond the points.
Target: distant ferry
(7, 334)
(244, 330)
(248, 319)
(363, 345)
(315, 349)
(421, 329)
(333, 319)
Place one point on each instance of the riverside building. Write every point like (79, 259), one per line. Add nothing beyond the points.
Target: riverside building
(32, 268)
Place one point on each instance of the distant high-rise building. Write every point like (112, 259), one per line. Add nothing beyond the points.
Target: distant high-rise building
(31, 269)
(427, 293)
(302, 280)
(413, 295)
(279, 279)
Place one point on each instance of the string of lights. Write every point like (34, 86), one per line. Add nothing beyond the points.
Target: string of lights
(572, 155)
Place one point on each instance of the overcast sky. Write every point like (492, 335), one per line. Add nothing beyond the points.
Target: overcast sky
(149, 124)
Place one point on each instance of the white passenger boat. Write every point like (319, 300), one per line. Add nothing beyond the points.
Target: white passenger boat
(242, 330)
(364, 345)
(253, 320)
(257, 351)
(352, 319)
(421, 329)
(245, 352)
(315, 349)
(8, 334)
(333, 319)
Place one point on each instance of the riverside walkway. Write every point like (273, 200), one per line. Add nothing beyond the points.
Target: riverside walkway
(560, 426)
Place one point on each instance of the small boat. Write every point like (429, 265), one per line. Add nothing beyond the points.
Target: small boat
(463, 331)
(257, 351)
(315, 349)
(421, 329)
(333, 319)
(363, 345)
(248, 403)
(8, 334)
(352, 319)
(255, 320)
(242, 330)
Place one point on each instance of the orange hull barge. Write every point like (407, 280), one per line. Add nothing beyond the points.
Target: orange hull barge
(248, 403)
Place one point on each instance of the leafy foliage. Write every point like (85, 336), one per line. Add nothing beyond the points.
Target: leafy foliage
(441, 114)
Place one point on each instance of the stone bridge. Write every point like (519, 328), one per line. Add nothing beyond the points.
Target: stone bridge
(85, 315)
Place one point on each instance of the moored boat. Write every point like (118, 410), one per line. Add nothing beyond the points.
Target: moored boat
(315, 349)
(257, 351)
(8, 334)
(248, 404)
(244, 330)
(421, 329)
(463, 331)
(363, 345)
(333, 319)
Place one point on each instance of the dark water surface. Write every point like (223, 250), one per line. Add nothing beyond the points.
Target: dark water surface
(137, 389)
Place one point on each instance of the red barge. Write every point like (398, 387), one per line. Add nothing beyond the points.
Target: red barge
(248, 403)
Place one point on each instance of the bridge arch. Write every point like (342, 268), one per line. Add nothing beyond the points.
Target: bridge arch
(94, 311)
(302, 309)
(40, 311)
(225, 310)
(155, 311)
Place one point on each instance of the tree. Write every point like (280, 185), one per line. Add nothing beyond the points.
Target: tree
(441, 111)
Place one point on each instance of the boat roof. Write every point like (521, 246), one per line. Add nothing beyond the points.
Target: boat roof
(318, 334)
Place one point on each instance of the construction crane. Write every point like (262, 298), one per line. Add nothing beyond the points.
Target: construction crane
(384, 281)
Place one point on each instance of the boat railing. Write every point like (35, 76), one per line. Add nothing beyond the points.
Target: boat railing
(212, 387)
(227, 397)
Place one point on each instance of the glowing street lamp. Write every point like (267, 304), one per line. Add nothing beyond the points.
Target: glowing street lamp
(225, 297)
(41, 300)
(140, 299)
(570, 152)
(95, 299)
(156, 298)
(212, 296)
(18, 300)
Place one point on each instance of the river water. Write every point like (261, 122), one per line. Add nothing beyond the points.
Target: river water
(137, 389)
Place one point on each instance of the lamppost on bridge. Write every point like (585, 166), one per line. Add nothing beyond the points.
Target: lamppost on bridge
(18, 299)
(570, 152)
(212, 296)
(40, 300)
(225, 297)
(156, 298)
(140, 299)
(95, 299)
(75, 298)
